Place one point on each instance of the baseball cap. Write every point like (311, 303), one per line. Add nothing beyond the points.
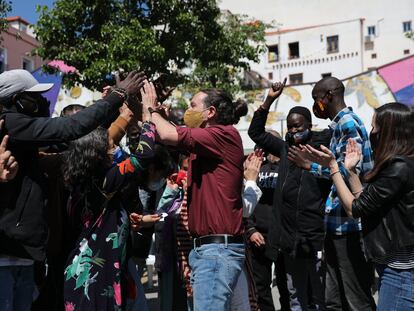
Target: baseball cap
(17, 81)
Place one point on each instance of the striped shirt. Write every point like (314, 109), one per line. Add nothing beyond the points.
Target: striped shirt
(400, 259)
(345, 125)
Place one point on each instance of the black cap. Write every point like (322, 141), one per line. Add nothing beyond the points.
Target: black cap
(305, 112)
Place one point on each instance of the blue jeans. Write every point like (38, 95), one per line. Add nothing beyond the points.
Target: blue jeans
(215, 269)
(16, 288)
(396, 289)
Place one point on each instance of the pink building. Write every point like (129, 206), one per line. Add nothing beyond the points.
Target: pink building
(17, 45)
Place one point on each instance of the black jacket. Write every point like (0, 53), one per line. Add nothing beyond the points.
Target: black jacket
(299, 199)
(23, 229)
(386, 208)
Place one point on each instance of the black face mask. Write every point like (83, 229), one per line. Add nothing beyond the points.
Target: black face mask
(35, 105)
(374, 140)
(298, 137)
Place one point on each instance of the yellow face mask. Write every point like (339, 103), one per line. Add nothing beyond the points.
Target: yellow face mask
(193, 118)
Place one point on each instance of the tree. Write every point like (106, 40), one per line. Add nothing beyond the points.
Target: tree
(5, 7)
(100, 36)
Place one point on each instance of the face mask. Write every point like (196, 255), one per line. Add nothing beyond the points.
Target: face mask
(193, 119)
(374, 140)
(298, 137)
(319, 109)
(156, 185)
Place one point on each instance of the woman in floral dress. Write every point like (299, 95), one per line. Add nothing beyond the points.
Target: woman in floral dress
(96, 272)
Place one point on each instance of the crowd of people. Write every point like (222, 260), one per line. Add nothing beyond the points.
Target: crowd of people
(85, 197)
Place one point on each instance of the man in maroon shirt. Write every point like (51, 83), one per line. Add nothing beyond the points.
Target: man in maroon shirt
(215, 178)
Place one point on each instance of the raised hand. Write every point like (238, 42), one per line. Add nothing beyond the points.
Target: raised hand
(106, 90)
(162, 91)
(149, 96)
(353, 155)
(132, 83)
(274, 92)
(125, 112)
(277, 88)
(8, 164)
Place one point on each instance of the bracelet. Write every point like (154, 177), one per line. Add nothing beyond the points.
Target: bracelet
(336, 172)
(121, 92)
(152, 110)
(357, 192)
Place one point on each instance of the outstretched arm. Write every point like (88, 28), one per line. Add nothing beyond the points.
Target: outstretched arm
(166, 131)
(45, 131)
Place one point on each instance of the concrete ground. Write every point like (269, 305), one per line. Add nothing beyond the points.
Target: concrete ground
(153, 302)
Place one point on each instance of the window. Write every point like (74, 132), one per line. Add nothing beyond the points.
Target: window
(371, 31)
(296, 78)
(27, 64)
(406, 52)
(3, 60)
(293, 50)
(374, 55)
(326, 75)
(332, 44)
(273, 53)
(270, 76)
(22, 27)
(407, 26)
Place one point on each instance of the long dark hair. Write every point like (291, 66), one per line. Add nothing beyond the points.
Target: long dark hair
(86, 160)
(396, 130)
(228, 112)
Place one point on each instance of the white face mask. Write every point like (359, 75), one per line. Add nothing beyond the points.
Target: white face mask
(156, 185)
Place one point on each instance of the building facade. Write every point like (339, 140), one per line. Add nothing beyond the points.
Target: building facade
(319, 38)
(306, 54)
(17, 45)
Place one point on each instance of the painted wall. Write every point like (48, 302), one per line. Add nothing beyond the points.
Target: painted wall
(18, 46)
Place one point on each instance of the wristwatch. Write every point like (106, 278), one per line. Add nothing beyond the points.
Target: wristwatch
(152, 110)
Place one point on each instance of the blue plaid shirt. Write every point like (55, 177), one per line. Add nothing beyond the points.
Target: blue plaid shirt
(344, 126)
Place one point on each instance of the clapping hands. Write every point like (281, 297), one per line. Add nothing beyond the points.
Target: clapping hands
(252, 165)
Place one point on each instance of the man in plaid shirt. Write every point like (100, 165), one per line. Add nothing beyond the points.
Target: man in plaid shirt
(345, 125)
(348, 275)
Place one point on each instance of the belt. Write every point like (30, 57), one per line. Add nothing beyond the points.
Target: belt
(218, 239)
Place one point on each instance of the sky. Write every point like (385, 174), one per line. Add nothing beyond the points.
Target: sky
(27, 8)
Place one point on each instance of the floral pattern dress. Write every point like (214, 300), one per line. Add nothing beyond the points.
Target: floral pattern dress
(96, 274)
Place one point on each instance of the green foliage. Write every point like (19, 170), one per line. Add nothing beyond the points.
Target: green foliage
(5, 7)
(100, 36)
